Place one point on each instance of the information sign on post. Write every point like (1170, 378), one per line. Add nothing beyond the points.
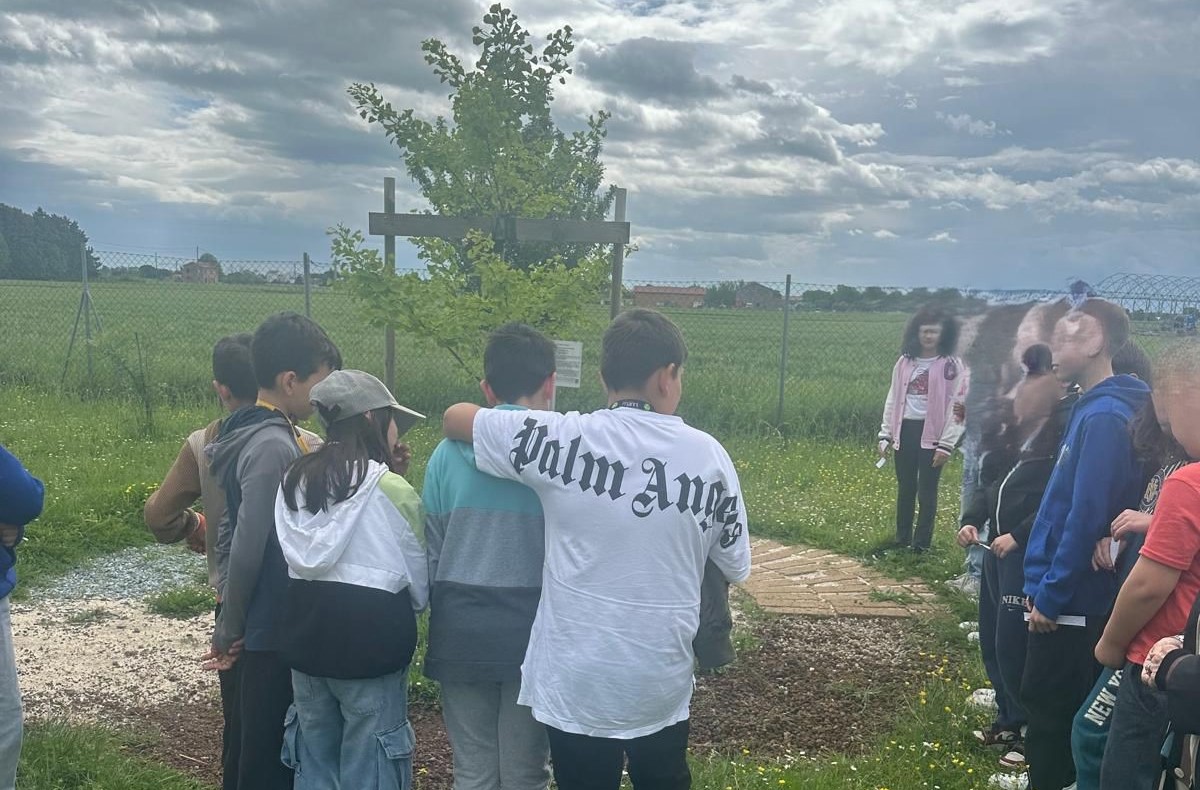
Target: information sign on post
(568, 359)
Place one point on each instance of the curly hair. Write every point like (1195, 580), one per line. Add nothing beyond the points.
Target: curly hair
(948, 343)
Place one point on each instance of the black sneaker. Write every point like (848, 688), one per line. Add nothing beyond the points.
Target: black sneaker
(994, 737)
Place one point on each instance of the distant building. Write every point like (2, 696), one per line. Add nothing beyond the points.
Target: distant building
(200, 272)
(758, 295)
(667, 296)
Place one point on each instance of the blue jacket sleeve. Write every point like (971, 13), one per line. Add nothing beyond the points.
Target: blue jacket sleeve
(21, 494)
(1102, 473)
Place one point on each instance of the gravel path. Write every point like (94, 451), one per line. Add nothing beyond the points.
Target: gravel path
(133, 573)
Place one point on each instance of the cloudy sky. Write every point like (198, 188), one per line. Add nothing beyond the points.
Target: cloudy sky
(998, 143)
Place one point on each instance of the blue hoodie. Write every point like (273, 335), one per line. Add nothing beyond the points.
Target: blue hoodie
(21, 499)
(1097, 476)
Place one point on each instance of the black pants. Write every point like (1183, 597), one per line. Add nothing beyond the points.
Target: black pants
(231, 735)
(1060, 670)
(918, 480)
(1003, 633)
(656, 762)
(264, 694)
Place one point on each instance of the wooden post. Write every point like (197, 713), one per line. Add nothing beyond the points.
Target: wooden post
(307, 286)
(389, 262)
(618, 256)
(787, 311)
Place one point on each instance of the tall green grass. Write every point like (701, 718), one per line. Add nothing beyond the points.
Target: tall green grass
(837, 370)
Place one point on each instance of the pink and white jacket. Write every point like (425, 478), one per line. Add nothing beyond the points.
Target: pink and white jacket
(949, 380)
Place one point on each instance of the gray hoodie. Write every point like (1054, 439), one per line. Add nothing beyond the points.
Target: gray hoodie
(250, 458)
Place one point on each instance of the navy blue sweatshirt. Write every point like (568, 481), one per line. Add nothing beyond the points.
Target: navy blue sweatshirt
(1096, 477)
(21, 500)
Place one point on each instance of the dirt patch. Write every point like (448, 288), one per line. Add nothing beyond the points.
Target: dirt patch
(805, 685)
(811, 685)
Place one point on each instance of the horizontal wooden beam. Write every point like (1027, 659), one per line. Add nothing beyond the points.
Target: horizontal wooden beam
(562, 231)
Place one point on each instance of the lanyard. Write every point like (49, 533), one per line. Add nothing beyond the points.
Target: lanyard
(640, 405)
(300, 441)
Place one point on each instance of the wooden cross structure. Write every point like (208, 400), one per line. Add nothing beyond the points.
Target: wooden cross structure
(389, 224)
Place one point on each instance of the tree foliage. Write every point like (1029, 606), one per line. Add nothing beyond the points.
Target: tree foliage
(42, 246)
(455, 306)
(499, 154)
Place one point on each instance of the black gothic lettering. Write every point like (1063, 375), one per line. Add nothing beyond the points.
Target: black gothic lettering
(655, 493)
(529, 444)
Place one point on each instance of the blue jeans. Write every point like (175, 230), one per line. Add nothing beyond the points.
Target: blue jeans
(349, 734)
(10, 703)
(1132, 758)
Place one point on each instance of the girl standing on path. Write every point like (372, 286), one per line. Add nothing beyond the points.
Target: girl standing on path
(346, 524)
(919, 421)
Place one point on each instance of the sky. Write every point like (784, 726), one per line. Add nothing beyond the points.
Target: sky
(985, 143)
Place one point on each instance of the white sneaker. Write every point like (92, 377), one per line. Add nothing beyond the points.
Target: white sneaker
(966, 584)
(1009, 781)
(983, 699)
(968, 625)
(973, 637)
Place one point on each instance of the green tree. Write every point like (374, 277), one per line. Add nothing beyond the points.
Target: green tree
(722, 294)
(499, 154)
(5, 259)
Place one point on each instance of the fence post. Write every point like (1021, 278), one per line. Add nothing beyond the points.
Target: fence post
(389, 262)
(307, 287)
(87, 311)
(618, 257)
(787, 312)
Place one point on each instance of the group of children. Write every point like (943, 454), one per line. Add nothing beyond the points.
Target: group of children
(1086, 489)
(575, 565)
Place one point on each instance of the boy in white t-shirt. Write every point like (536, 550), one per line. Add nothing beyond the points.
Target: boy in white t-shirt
(636, 502)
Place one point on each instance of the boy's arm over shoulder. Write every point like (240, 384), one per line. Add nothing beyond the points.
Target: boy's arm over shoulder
(260, 473)
(507, 442)
(21, 494)
(459, 420)
(168, 512)
(1103, 467)
(731, 551)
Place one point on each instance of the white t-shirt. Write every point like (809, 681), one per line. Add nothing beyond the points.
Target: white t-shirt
(635, 503)
(916, 396)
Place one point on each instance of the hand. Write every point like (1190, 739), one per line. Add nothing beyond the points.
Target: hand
(1130, 521)
(1156, 655)
(1102, 557)
(967, 535)
(401, 458)
(884, 446)
(1110, 655)
(940, 458)
(9, 535)
(960, 411)
(1040, 623)
(217, 661)
(1003, 545)
(195, 539)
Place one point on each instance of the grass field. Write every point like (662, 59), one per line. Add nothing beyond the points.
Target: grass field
(837, 372)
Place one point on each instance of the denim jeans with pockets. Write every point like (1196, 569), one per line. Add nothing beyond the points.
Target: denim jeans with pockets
(350, 734)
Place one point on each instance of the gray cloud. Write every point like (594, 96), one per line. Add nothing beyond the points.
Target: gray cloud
(648, 68)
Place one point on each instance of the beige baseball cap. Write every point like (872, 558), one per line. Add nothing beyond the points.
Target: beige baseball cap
(346, 393)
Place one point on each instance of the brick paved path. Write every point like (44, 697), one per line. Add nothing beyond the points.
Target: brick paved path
(803, 580)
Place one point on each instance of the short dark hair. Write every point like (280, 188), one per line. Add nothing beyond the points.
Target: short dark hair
(289, 341)
(637, 343)
(1037, 360)
(947, 344)
(1132, 360)
(517, 361)
(233, 367)
(1113, 320)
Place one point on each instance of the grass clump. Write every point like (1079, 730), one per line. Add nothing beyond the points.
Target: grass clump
(183, 603)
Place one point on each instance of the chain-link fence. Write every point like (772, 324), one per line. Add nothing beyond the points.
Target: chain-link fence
(146, 327)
